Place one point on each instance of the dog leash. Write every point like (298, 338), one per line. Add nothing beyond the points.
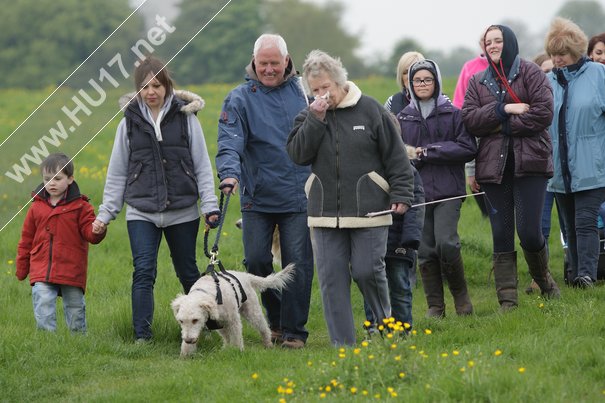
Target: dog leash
(213, 254)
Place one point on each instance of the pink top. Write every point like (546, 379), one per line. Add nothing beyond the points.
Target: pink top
(469, 69)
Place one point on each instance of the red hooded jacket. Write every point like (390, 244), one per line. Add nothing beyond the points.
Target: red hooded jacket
(54, 240)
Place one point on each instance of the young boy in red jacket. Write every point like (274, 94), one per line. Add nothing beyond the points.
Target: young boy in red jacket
(53, 249)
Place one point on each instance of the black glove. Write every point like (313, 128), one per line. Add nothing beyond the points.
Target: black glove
(215, 223)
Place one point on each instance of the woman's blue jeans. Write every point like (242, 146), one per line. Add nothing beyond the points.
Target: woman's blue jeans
(145, 240)
(579, 211)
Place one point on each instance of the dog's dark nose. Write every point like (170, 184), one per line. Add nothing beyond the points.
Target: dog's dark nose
(190, 341)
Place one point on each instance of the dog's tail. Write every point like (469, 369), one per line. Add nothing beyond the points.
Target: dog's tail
(275, 281)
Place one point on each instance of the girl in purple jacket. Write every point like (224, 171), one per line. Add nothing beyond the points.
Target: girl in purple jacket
(439, 145)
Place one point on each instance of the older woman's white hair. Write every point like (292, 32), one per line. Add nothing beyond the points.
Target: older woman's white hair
(318, 62)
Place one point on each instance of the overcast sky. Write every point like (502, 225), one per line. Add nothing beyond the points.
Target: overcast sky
(439, 24)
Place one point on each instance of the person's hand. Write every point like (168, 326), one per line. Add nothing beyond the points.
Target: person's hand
(472, 184)
(228, 185)
(516, 109)
(399, 208)
(319, 108)
(98, 227)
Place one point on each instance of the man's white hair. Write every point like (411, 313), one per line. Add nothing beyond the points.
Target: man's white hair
(270, 41)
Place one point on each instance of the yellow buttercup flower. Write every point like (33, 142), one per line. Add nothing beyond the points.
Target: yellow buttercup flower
(498, 353)
(255, 376)
(521, 370)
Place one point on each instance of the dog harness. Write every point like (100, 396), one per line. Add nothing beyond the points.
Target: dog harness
(213, 256)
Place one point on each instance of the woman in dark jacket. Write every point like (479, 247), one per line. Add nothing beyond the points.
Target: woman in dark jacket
(510, 106)
(432, 127)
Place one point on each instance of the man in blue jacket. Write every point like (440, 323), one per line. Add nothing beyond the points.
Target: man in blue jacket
(255, 121)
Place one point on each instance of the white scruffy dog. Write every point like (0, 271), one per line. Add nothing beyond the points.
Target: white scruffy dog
(193, 310)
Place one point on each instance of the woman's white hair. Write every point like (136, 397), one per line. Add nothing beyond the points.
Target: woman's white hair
(267, 41)
(318, 62)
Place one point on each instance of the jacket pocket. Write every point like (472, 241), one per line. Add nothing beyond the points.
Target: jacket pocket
(190, 185)
(372, 194)
(536, 155)
(135, 172)
(315, 196)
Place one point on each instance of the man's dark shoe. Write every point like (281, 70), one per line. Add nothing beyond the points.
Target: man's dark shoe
(277, 336)
(583, 282)
(293, 344)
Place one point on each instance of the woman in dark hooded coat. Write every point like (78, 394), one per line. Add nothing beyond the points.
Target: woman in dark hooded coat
(510, 107)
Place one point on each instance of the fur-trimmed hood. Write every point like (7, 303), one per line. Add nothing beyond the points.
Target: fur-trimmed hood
(194, 102)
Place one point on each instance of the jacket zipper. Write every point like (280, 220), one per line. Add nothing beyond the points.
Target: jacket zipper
(50, 259)
(337, 170)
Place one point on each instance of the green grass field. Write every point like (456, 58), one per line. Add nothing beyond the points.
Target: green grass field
(544, 351)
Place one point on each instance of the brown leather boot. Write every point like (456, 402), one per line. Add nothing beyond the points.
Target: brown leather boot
(454, 272)
(433, 289)
(505, 275)
(537, 262)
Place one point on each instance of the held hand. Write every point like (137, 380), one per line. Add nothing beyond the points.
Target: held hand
(319, 108)
(472, 184)
(213, 219)
(516, 109)
(98, 227)
(399, 208)
(228, 185)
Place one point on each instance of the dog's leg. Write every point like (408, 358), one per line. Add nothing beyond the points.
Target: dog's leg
(253, 313)
(232, 334)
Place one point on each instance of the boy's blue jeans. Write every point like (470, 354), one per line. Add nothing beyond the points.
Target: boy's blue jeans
(400, 291)
(44, 297)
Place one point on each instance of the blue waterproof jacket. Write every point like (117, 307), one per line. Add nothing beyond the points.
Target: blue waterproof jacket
(252, 132)
(583, 130)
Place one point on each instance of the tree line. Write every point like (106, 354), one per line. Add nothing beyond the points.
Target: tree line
(43, 41)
